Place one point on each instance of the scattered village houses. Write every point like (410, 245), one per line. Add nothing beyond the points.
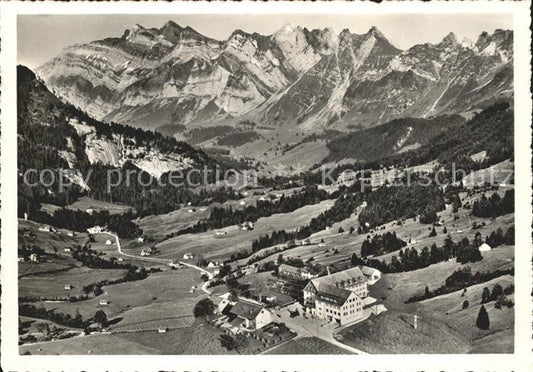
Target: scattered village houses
(47, 229)
(296, 273)
(247, 225)
(148, 251)
(94, 230)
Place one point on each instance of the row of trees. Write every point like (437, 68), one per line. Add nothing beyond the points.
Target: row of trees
(78, 220)
(494, 206)
(67, 320)
(461, 279)
(464, 251)
(381, 244)
(222, 217)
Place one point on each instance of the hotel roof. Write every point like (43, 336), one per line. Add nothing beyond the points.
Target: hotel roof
(333, 295)
(347, 276)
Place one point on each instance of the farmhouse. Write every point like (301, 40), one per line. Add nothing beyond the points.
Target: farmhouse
(45, 228)
(104, 302)
(94, 230)
(218, 233)
(34, 257)
(306, 274)
(252, 317)
(224, 306)
(247, 225)
(21, 259)
(108, 242)
(296, 273)
(68, 287)
(306, 242)
(484, 247)
(140, 239)
(188, 256)
(289, 271)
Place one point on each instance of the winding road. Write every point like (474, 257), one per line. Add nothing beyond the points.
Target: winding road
(162, 260)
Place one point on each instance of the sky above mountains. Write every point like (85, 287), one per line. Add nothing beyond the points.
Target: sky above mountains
(41, 37)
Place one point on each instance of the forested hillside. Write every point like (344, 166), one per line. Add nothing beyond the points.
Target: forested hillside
(390, 138)
(71, 146)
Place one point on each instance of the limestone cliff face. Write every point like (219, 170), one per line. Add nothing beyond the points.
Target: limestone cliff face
(54, 134)
(175, 76)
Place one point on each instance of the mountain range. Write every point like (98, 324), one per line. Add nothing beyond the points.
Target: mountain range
(173, 78)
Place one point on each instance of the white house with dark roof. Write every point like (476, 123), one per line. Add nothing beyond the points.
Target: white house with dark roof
(352, 279)
(251, 316)
(338, 305)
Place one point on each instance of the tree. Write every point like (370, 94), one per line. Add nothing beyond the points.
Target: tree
(43, 328)
(204, 277)
(341, 230)
(426, 292)
(485, 295)
(352, 229)
(232, 296)
(465, 304)
(433, 232)
(280, 259)
(497, 291)
(483, 321)
(227, 342)
(101, 318)
(203, 308)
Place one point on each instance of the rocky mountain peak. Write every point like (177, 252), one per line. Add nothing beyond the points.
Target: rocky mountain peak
(450, 39)
(175, 75)
(375, 31)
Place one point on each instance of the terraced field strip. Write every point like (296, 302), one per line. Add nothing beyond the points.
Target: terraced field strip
(170, 323)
